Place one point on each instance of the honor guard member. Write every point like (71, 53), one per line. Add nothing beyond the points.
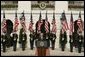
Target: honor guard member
(53, 41)
(20, 36)
(75, 34)
(77, 37)
(79, 41)
(80, 25)
(71, 28)
(9, 39)
(4, 42)
(15, 37)
(64, 28)
(47, 38)
(53, 31)
(63, 41)
(24, 40)
(32, 36)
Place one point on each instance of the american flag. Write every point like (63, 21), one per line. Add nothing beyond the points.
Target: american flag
(22, 21)
(4, 28)
(54, 24)
(80, 23)
(16, 23)
(46, 26)
(71, 24)
(31, 25)
(39, 24)
(64, 23)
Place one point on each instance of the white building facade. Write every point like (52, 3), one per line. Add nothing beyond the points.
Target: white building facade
(59, 7)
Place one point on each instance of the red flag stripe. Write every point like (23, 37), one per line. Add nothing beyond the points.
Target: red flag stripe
(23, 23)
(4, 25)
(16, 25)
(64, 26)
(54, 26)
(46, 26)
(80, 25)
(31, 27)
(39, 25)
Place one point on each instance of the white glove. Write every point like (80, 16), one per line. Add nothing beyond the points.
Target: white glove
(79, 40)
(23, 39)
(11, 34)
(53, 38)
(46, 37)
(62, 38)
(14, 39)
(3, 40)
(3, 33)
(71, 40)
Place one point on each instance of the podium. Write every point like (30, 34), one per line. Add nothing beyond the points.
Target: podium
(41, 51)
(42, 46)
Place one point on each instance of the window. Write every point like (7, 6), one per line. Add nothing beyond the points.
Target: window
(76, 5)
(9, 5)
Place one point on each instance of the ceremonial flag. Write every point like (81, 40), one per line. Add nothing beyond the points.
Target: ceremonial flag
(71, 24)
(80, 23)
(22, 21)
(31, 24)
(64, 23)
(46, 24)
(54, 24)
(40, 22)
(4, 28)
(16, 23)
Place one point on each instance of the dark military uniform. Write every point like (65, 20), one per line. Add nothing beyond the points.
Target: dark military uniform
(4, 42)
(53, 41)
(71, 43)
(83, 42)
(52, 38)
(47, 38)
(20, 35)
(32, 38)
(77, 36)
(63, 40)
(80, 41)
(9, 30)
(9, 41)
(15, 37)
(24, 41)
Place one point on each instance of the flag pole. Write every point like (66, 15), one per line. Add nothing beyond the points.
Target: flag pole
(46, 16)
